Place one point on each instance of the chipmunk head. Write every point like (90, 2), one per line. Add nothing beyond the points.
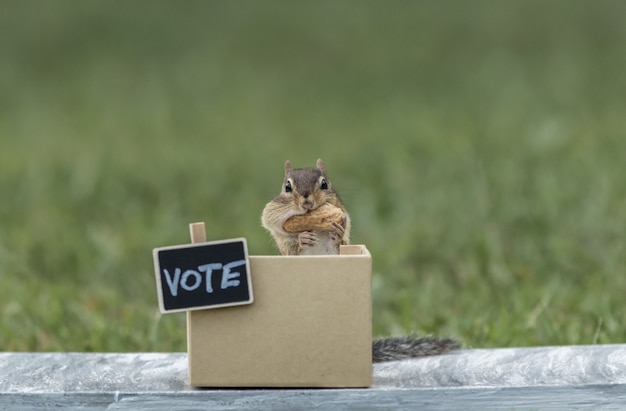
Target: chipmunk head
(308, 188)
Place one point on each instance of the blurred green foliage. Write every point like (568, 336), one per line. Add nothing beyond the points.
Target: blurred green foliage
(479, 147)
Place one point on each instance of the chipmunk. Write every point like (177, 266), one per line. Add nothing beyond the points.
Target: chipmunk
(303, 190)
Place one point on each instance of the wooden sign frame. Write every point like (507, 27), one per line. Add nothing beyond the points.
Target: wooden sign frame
(193, 270)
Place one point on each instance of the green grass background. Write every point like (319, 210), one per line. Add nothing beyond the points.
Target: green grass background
(479, 147)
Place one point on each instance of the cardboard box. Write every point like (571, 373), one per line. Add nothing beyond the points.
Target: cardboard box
(310, 326)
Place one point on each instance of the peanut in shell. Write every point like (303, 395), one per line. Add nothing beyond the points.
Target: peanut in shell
(320, 219)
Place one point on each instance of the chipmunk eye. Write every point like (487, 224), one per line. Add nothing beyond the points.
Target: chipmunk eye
(324, 184)
(288, 188)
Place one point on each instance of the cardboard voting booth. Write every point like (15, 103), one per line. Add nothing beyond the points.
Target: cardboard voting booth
(307, 321)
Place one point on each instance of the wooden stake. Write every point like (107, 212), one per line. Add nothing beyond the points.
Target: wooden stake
(197, 232)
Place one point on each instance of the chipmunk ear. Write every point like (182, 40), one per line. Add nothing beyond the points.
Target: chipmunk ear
(287, 167)
(321, 166)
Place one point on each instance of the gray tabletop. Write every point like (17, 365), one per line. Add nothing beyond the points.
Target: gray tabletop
(571, 377)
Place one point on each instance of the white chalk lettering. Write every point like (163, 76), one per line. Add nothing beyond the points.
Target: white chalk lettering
(196, 275)
(208, 269)
(172, 283)
(191, 279)
(228, 276)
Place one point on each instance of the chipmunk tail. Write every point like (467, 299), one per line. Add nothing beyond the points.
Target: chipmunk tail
(411, 346)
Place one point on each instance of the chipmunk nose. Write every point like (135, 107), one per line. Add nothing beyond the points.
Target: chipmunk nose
(307, 204)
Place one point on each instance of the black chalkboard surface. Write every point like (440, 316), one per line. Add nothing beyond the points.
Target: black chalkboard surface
(203, 275)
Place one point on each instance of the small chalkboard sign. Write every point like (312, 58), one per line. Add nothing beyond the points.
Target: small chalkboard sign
(203, 275)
